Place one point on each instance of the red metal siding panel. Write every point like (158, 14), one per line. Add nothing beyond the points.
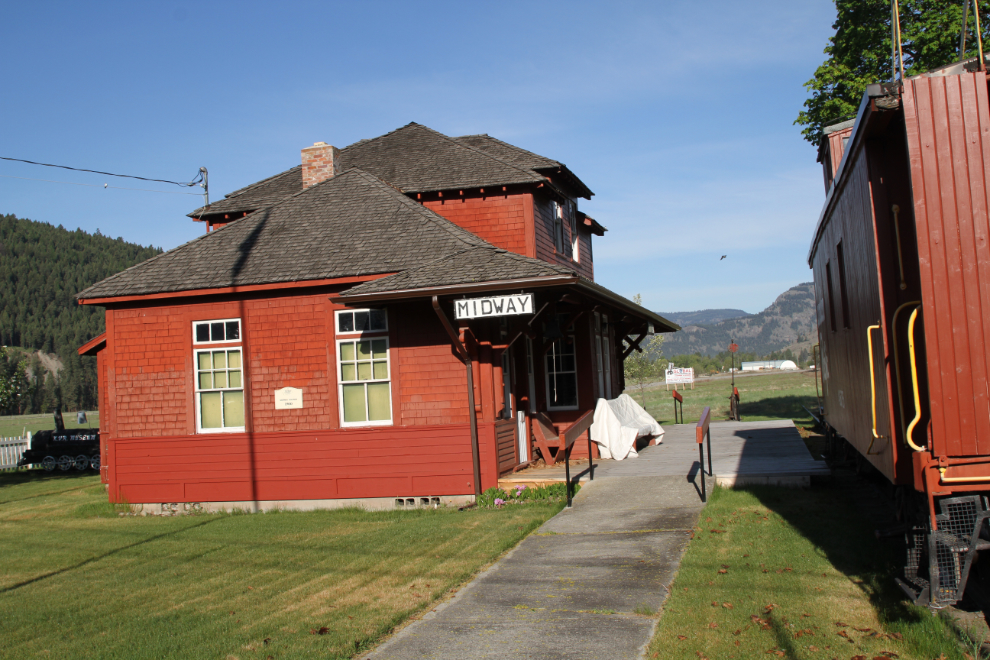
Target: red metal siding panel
(947, 126)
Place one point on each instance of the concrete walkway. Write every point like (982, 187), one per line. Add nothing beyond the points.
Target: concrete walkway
(571, 590)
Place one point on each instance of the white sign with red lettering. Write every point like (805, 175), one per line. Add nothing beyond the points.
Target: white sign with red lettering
(680, 375)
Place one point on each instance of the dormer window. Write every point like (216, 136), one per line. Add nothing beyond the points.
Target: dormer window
(558, 226)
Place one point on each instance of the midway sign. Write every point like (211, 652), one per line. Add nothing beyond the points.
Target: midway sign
(476, 308)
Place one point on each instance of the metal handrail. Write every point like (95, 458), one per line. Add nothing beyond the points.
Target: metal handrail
(678, 398)
(701, 431)
(914, 381)
(873, 387)
(897, 360)
(582, 424)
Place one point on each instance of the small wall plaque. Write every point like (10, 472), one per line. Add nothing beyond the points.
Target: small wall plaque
(288, 398)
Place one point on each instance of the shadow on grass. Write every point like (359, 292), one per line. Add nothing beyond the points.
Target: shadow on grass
(59, 482)
(830, 517)
(784, 407)
(109, 553)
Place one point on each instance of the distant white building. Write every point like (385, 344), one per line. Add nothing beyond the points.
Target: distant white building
(764, 365)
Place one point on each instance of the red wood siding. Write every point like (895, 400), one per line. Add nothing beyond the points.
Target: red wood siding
(545, 247)
(499, 219)
(948, 134)
(343, 463)
(433, 379)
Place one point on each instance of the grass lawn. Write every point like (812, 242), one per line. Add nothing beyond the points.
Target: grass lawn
(793, 574)
(79, 581)
(13, 426)
(762, 396)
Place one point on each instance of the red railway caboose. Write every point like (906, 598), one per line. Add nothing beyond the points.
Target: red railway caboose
(901, 263)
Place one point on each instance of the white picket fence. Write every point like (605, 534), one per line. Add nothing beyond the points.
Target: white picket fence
(11, 450)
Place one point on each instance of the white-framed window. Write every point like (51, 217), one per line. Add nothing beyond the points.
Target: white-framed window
(561, 374)
(558, 226)
(362, 320)
(363, 368)
(575, 243)
(220, 331)
(219, 390)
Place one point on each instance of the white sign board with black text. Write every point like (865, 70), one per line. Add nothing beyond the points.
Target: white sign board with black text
(476, 308)
(288, 398)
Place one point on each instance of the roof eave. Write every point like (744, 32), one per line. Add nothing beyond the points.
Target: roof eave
(660, 324)
(455, 289)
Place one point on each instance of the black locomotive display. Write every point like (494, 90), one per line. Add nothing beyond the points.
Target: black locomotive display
(64, 449)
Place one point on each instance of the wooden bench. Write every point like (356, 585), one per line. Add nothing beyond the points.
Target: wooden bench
(551, 443)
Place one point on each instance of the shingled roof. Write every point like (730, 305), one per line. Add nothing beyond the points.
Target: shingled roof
(472, 265)
(414, 159)
(350, 225)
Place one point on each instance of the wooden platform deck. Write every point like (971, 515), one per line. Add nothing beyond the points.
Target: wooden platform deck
(743, 453)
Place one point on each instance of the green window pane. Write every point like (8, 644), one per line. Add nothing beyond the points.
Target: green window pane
(220, 379)
(210, 412)
(364, 371)
(204, 361)
(378, 348)
(234, 359)
(233, 408)
(354, 408)
(235, 379)
(381, 370)
(364, 350)
(206, 381)
(347, 372)
(347, 351)
(219, 359)
(379, 402)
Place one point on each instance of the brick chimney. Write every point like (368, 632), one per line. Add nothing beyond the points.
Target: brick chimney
(319, 163)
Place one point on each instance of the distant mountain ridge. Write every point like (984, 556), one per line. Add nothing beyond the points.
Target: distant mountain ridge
(789, 322)
(704, 316)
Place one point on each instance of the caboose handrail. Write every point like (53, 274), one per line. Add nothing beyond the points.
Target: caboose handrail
(897, 362)
(873, 386)
(914, 381)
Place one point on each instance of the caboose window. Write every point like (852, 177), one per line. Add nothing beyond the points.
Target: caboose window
(842, 286)
(831, 295)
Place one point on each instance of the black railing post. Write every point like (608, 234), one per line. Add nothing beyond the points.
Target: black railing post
(567, 473)
(701, 469)
(591, 460)
(710, 474)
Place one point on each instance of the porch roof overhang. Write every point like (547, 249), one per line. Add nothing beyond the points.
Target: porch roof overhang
(573, 283)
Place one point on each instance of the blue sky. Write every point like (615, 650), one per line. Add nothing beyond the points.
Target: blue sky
(677, 114)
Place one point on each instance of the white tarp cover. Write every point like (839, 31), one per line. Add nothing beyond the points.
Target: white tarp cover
(618, 422)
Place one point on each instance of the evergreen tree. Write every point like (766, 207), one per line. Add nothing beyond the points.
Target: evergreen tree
(859, 53)
(42, 267)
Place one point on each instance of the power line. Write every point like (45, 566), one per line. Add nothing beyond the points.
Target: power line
(199, 176)
(93, 185)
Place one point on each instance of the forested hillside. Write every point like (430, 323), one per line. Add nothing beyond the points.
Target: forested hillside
(703, 316)
(788, 322)
(42, 267)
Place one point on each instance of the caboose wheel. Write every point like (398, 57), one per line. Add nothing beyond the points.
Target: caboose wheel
(82, 462)
(48, 463)
(65, 463)
(94, 462)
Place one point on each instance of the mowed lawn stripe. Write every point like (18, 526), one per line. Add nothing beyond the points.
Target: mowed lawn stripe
(80, 581)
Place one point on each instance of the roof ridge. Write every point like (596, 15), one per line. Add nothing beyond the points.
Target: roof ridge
(485, 153)
(441, 222)
(514, 147)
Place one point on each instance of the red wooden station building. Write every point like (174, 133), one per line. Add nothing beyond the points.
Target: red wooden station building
(358, 328)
